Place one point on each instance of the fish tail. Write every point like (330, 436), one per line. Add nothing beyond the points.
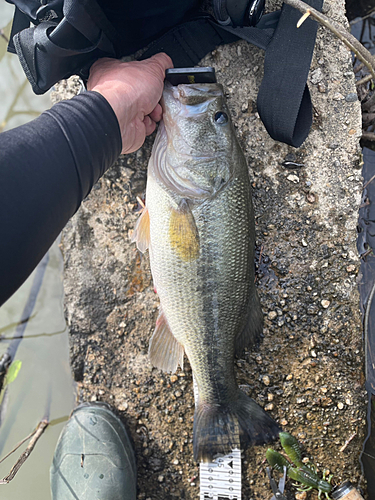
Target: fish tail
(218, 429)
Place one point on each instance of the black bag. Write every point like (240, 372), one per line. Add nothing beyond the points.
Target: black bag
(67, 36)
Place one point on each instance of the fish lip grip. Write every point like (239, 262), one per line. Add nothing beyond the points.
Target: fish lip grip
(277, 490)
(177, 76)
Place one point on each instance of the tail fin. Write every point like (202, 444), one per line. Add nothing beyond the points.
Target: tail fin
(218, 429)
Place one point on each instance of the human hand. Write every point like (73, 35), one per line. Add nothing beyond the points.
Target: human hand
(133, 89)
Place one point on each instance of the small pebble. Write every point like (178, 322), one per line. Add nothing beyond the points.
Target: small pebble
(351, 268)
(340, 405)
(293, 178)
(316, 76)
(283, 421)
(161, 479)
(175, 462)
(310, 197)
(324, 390)
(269, 407)
(270, 396)
(123, 407)
(266, 380)
(321, 88)
(325, 303)
(304, 242)
(173, 379)
(289, 377)
(272, 314)
(352, 97)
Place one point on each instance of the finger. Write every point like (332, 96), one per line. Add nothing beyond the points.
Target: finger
(161, 62)
(163, 59)
(149, 124)
(156, 114)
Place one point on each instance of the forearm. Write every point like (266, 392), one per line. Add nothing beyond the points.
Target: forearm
(47, 167)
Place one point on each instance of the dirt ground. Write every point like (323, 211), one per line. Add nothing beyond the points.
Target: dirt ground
(307, 371)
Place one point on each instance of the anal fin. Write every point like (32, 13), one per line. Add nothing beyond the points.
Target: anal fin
(164, 351)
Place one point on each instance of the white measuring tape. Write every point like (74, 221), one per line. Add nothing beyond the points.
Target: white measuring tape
(220, 479)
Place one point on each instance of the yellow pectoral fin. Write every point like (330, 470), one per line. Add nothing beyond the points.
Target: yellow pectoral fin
(183, 233)
(141, 234)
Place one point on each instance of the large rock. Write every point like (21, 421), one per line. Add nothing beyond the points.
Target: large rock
(308, 369)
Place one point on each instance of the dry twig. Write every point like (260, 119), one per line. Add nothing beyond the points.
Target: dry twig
(350, 438)
(349, 40)
(24, 456)
(363, 80)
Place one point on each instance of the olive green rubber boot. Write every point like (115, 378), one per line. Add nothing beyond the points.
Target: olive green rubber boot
(94, 459)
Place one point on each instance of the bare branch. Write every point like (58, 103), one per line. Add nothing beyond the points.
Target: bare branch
(350, 438)
(18, 445)
(24, 456)
(349, 40)
(363, 80)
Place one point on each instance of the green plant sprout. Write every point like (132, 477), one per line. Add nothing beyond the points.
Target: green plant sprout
(296, 469)
(10, 377)
(13, 371)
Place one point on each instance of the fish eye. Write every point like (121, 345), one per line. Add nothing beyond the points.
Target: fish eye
(221, 118)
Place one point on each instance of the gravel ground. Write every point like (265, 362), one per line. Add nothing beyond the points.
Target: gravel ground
(307, 371)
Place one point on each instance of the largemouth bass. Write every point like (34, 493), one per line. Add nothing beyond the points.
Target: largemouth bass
(198, 224)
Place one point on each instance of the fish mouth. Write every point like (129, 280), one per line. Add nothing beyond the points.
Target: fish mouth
(190, 99)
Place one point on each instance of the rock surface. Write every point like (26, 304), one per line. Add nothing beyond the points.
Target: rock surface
(308, 369)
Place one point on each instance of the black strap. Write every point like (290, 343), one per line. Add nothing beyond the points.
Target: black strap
(190, 41)
(284, 102)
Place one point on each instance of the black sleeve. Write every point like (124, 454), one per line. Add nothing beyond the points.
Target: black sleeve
(47, 167)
